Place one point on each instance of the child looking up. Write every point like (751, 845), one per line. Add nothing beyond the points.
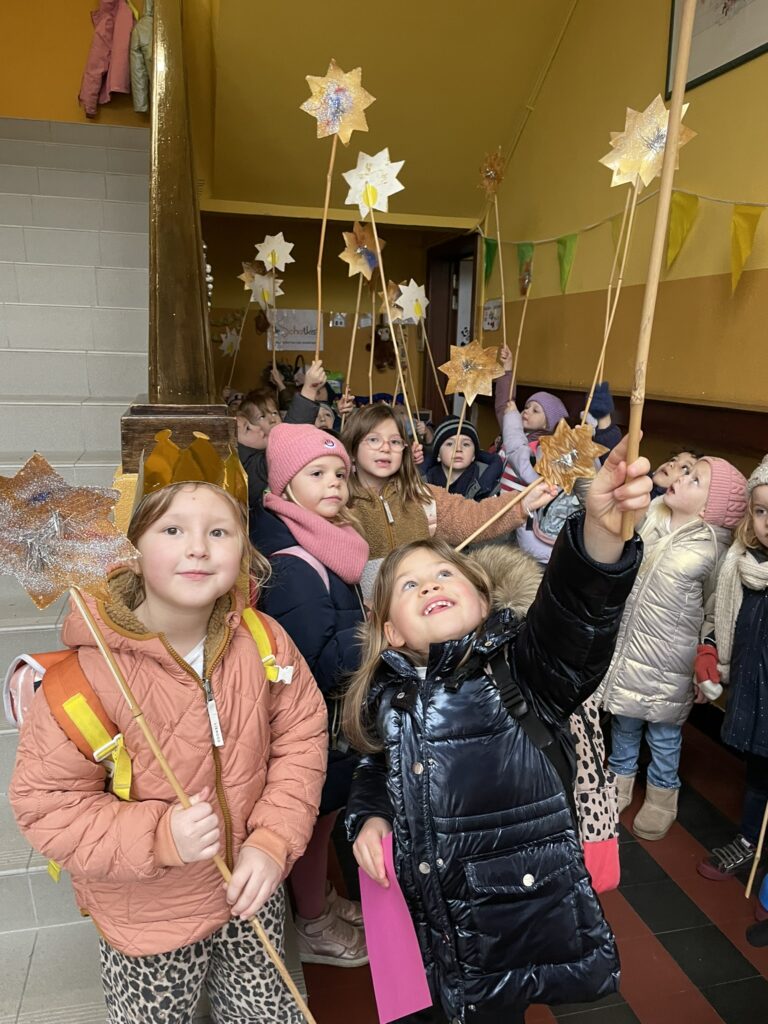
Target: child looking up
(142, 868)
(680, 463)
(649, 685)
(740, 659)
(485, 844)
(475, 473)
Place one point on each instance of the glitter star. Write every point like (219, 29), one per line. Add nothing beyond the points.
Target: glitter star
(54, 536)
(637, 153)
(264, 289)
(338, 102)
(471, 370)
(492, 173)
(229, 339)
(567, 454)
(248, 274)
(373, 181)
(393, 294)
(413, 301)
(360, 251)
(274, 252)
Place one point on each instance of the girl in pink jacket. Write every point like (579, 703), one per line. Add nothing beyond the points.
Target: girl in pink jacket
(251, 751)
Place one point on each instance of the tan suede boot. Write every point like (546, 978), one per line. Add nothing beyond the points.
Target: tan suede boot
(655, 817)
(625, 785)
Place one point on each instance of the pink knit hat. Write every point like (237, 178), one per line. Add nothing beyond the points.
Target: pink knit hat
(727, 500)
(292, 446)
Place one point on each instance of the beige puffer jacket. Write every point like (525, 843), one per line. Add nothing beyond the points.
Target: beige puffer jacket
(267, 777)
(651, 674)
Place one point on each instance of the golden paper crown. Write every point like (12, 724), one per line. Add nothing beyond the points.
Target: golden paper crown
(167, 464)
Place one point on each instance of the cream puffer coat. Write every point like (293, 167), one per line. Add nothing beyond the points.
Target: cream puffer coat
(267, 778)
(651, 674)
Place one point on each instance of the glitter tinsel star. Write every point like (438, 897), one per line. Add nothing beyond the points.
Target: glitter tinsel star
(637, 153)
(360, 251)
(567, 454)
(471, 370)
(491, 173)
(338, 101)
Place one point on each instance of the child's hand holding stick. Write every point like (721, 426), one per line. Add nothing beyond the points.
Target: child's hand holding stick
(617, 489)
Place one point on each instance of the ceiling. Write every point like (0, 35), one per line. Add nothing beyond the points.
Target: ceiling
(451, 81)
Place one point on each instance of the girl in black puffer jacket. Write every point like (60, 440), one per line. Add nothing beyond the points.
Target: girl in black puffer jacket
(486, 849)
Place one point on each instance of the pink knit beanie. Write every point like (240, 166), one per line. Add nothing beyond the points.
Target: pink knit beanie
(727, 500)
(553, 408)
(292, 446)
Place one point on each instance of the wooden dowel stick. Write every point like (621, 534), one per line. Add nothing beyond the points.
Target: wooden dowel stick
(455, 443)
(272, 322)
(519, 495)
(637, 399)
(513, 378)
(428, 347)
(352, 340)
(758, 854)
(239, 339)
(408, 370)
(373, 345)
(500, 258)
(323, 226)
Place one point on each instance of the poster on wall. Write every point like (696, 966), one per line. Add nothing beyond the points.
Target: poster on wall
(295, 330)
(726, 33)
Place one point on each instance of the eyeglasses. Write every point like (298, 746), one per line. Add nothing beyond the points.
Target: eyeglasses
(375, 441)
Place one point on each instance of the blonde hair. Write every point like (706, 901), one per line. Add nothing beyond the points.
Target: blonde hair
(407, 480)
(254, 566)
(356, 723)
(745, 531)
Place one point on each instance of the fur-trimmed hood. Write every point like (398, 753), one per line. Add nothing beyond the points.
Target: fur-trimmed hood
(514, 575)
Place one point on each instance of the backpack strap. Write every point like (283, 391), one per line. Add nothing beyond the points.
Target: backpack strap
(261, 631)
(299, 552)
(82, 717)
(546, 739)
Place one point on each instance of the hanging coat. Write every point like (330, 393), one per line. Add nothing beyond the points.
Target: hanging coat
(141, 57)
(107, 70)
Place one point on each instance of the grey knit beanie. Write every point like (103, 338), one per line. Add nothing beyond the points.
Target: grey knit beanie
(759, 477)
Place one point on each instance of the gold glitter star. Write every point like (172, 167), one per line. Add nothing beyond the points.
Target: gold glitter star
(567, 454)
(360, 251)
(471, 370)
(248, 274)
(393, 294)
(338, 100)
(492, 173)
(637, 152)
(54, 536)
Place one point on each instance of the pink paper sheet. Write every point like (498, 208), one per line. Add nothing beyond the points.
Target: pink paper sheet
(399, 981)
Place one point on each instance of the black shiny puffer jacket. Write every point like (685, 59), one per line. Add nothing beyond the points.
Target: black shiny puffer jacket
(486, 851)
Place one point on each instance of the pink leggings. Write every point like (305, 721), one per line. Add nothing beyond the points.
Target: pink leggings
(310, 872)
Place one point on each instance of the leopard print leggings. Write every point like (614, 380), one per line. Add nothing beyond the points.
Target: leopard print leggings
(242, 985)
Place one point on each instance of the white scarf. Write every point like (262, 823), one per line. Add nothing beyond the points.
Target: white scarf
(739, 569)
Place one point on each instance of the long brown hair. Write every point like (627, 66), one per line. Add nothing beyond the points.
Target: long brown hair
(253, 566)
(407, 480)
(356, 723)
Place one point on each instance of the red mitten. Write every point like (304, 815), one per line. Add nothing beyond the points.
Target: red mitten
(705, 665)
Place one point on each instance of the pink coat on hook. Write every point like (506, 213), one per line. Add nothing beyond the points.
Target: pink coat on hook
(107, 69)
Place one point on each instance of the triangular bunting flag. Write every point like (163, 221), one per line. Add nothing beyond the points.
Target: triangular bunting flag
(682, 214)
(743, 226)
(566, 250)
(491, 248)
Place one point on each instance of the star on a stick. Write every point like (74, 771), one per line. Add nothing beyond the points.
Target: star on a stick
(264, 289)
(274, 252)
(413, 301)
(338, 101)
(471, 370)
(373, 181)
(229, 339)
(248, 274)
(360, 251)
(393, 293)
(54, 536)
(638, 152)
(491, 173)
(567, 454)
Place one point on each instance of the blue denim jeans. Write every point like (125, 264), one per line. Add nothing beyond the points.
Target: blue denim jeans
(664, 740)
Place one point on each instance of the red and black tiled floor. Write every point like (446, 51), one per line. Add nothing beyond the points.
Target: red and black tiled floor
(685, 958)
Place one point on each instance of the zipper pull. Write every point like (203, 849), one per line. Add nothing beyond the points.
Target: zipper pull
(388, 511)
(213, 714)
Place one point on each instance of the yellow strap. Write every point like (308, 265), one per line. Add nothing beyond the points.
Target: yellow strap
(54, 870)
(112, 748)
(259, 634)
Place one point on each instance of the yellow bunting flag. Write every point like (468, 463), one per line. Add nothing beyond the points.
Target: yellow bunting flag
(682, 214)
(743, 226)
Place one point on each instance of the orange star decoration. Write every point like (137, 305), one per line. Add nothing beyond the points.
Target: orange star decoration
(393, 294)
(360, 251)
(637, 152)
(248, 274)
(567, 454)
(54, 536)
(492, 173)
(338, 102)
(471, 370)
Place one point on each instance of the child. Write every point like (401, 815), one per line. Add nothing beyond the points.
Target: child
(521, 433)
(142, 868)
(317, 558)
(741, 660)
(680, 463)
(649, 685)
(486, 849)
(392, 504)
(475, 472)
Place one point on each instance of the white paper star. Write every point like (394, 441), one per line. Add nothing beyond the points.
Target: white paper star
(264, 289)
(413, 301)
(274, 252)
(229, 339)
(373, 181)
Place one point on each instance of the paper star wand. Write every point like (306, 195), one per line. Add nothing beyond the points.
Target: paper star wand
(360, 255)
(56, 538)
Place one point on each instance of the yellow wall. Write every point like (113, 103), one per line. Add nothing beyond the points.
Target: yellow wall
(231, 239)
(709, 346)
(43, 50)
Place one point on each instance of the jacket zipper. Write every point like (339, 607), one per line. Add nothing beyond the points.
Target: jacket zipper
(205, 687)
(388, 521)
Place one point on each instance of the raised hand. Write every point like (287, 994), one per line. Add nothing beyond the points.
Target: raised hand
(616, 489)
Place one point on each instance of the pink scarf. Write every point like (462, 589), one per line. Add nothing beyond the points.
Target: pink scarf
(340, 548)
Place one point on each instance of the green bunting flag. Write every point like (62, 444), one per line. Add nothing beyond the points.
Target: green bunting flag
(491, 248)
(566, 250)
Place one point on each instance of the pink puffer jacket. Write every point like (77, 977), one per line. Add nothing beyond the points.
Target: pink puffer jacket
(267, 777)
(107, 69)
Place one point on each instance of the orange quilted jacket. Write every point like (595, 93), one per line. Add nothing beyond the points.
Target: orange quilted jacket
(267, 777)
